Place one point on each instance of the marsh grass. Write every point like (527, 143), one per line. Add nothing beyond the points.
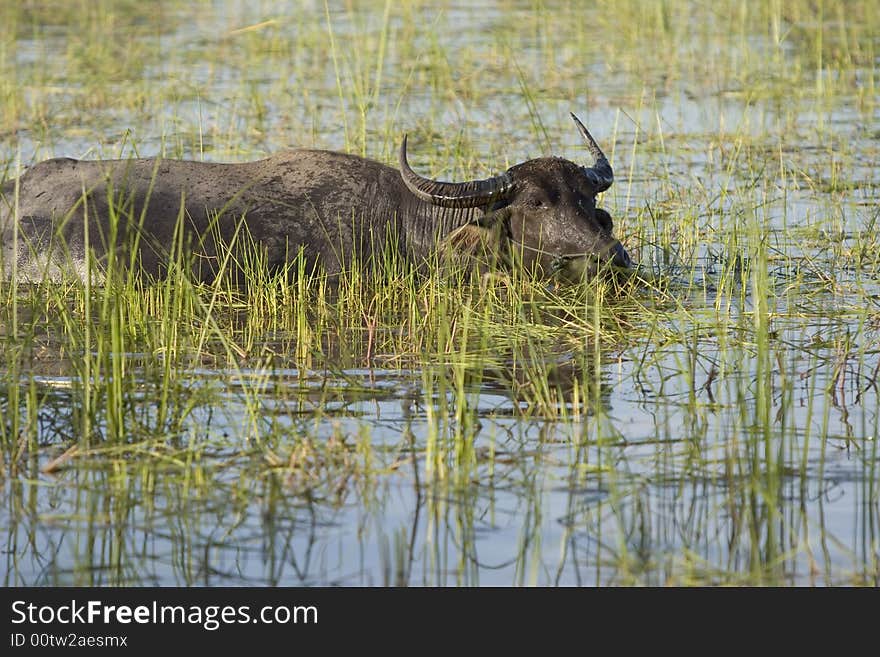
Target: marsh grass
(712, 419)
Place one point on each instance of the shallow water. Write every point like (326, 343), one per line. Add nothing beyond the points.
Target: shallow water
(649, 493)
(671, 472)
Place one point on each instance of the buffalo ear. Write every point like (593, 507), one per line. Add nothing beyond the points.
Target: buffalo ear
(498, 212)
(604, 219)
(484, 240)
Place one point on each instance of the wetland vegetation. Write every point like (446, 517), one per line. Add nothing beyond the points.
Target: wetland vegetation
(712, 421)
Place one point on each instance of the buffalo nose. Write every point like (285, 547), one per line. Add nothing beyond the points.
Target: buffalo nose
(620, 258)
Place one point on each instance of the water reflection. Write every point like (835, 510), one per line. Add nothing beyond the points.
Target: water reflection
(627, 493)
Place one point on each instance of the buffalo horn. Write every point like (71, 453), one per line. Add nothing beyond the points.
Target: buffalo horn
(471, 194)
(600, 174)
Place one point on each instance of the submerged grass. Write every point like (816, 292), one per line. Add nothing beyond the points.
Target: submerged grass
(712, 420)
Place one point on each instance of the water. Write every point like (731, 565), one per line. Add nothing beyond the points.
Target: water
(656, 480)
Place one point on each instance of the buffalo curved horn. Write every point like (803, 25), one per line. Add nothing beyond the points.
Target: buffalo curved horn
(600, 174)
(471, 194)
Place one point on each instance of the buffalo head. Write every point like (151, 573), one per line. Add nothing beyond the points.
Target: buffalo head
(545, 208)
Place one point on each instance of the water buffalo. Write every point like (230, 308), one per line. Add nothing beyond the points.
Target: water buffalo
(336, 209)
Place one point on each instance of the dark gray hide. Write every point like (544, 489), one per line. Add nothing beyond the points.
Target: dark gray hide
(336, 208)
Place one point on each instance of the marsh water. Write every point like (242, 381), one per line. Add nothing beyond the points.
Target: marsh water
(725, 433)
